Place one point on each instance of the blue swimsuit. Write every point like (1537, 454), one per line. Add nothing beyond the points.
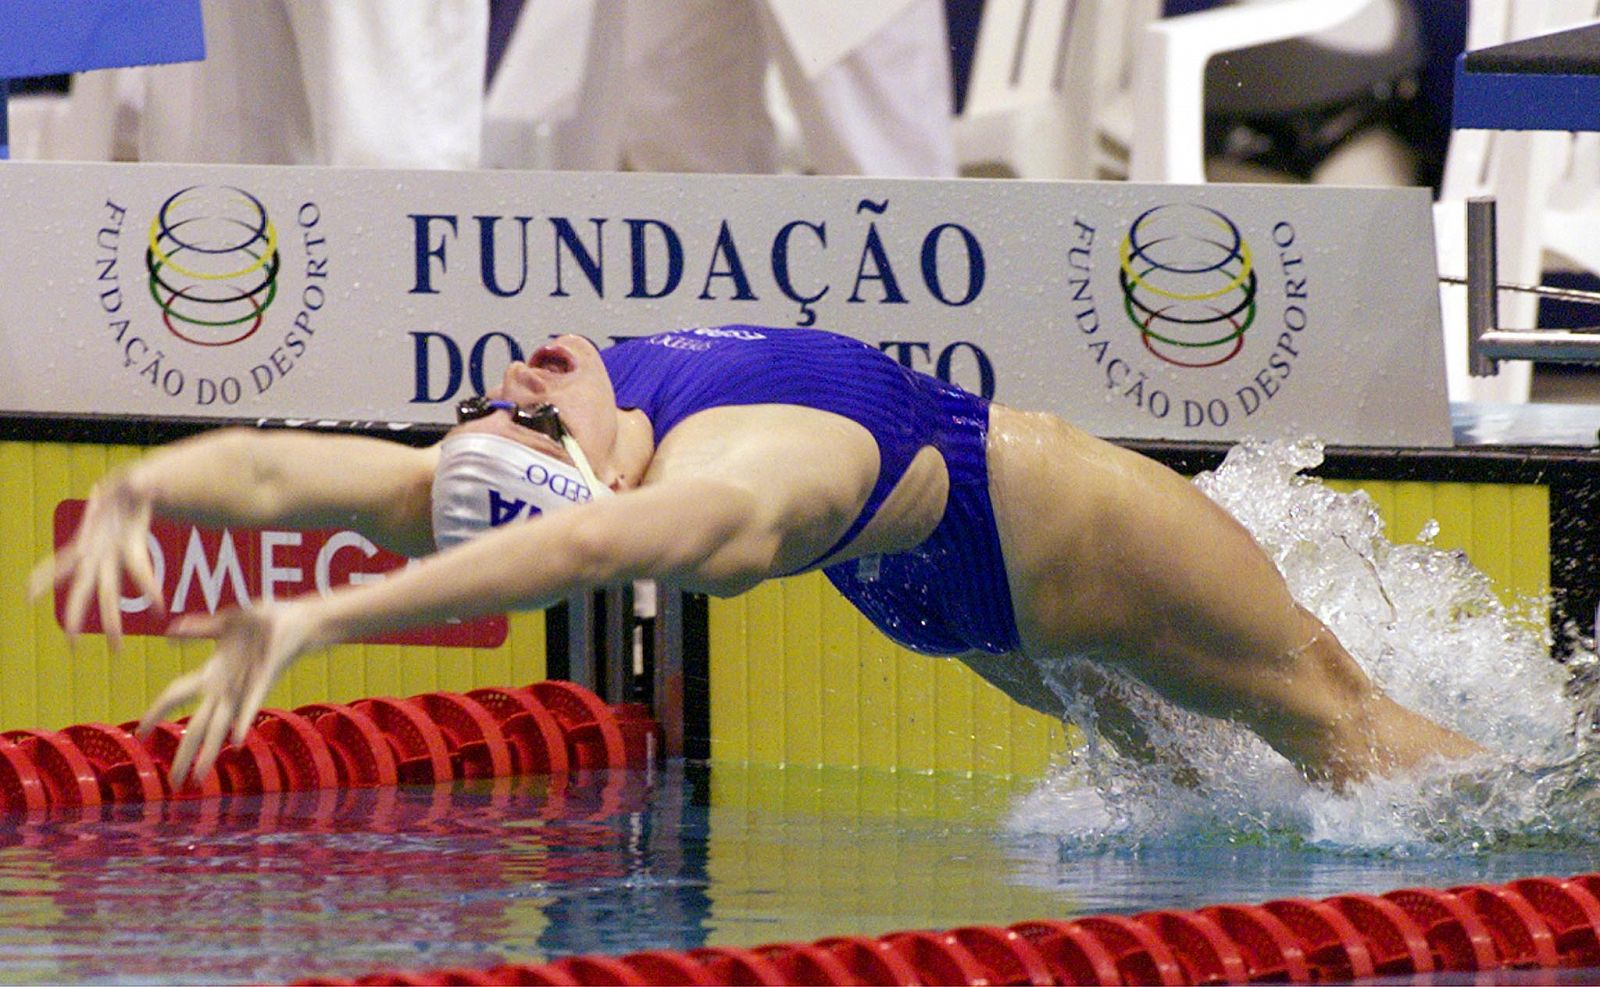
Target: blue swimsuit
(947, 595)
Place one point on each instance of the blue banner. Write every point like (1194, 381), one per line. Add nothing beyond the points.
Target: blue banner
(51, 37)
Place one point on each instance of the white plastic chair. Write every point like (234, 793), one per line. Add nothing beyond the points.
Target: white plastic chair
(80, 125)
(1046, 75)
(1547, 189)
(1169, 73)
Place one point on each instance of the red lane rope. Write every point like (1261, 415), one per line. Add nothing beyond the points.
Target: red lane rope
(544, 728)
(552, 727)
(1529, 924)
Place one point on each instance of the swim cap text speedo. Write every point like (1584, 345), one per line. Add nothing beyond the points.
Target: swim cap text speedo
(485, 481)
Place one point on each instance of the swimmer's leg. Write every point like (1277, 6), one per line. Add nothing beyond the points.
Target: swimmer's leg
(1137, 568)
(1081, 682)
(1220, 634)
(1320, 710)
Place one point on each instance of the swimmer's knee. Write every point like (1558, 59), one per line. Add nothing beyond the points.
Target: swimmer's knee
(1327, 666)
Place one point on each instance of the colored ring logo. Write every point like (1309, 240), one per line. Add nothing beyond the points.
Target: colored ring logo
(213, 261)
(1189, 284)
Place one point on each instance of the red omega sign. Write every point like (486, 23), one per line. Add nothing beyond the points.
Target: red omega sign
(204, 569)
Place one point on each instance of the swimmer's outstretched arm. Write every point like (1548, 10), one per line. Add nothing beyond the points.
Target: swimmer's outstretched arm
(239, 476)
(693, 532)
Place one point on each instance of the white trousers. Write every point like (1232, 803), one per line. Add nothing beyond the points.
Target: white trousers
(680, 85)
(395, 83)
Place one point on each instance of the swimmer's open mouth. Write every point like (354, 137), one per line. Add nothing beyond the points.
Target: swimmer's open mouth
(555, 359)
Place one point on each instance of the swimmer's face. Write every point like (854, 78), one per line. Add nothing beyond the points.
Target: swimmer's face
(568, 373)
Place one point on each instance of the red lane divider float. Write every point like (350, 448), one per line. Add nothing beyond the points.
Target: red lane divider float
(1334, 949)
(20, 784)
(546, 728)
(162, 746)
(125, 770)
(68, 779)
(472, 735)
(1533, 923)
(532, 732)
(593, 737)
(362, 757)
(421, 756)
(1573, 914)
(1395, 942)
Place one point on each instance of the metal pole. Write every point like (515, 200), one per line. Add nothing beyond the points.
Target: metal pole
(1483, 279)
(1543, 345)
(666, 687)
(617, 647)
(580, 641)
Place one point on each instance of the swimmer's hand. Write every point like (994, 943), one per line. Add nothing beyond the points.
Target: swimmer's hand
(113, 538)
(253, 649)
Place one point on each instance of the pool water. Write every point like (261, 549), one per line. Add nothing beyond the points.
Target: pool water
(524, 871)
(343, 883)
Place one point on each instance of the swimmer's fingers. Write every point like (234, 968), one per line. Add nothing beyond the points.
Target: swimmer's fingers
(253, 648)
(278, 637)
(195, 733)
(111, 538)
(66, 566)
(200, 625)
(132, 555)
(245, 718)
(215, 726)
(109, 589)
(180, 692)
(205, 684)
(76, 564)
(188, 687)
(140, 566)
(83, 585)
(52, 570)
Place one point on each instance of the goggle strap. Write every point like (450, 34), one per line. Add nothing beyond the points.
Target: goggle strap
(582, 462)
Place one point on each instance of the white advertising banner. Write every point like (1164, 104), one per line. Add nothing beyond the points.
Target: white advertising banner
(1136, 311)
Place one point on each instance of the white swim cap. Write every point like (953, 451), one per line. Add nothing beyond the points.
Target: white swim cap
(485, 481)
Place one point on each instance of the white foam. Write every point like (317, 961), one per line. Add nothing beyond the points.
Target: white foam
(1429, 629)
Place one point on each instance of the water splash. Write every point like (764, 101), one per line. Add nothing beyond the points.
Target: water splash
(1430, 631)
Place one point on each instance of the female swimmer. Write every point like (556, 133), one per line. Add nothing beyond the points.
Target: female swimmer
(712, 459)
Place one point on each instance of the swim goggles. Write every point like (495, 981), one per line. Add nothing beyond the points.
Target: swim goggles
(543, 418)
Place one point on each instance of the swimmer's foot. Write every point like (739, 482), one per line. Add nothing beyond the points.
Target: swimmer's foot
(1382, 738)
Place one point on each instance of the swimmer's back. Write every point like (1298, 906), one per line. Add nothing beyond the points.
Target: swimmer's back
(672, 376)
(945, 594)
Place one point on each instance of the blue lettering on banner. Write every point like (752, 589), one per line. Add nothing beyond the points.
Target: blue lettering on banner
(428, 250)
(639, 256)
(804, 264)
(489, 270)
(919, 356)
(780, 269)
(587, 261)
(441, 369)
(422, 354)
